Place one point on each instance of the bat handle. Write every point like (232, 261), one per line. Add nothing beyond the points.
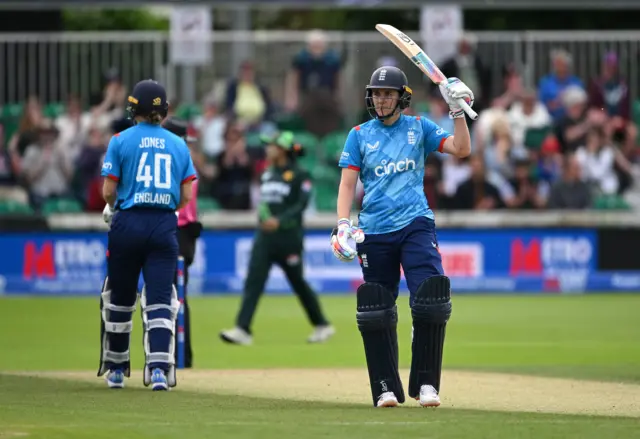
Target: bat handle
(467, 109)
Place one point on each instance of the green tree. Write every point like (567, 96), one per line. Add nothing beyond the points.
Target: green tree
(113, 19)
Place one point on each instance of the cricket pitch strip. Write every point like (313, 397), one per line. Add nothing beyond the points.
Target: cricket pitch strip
(460, 389)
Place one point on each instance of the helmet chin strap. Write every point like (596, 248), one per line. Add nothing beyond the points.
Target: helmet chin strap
(393, 113)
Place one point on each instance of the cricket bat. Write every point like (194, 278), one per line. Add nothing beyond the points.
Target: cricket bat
(420, 59)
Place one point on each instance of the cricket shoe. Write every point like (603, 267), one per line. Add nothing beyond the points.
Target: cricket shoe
(387, 399)
(115, 379)
(428, 396)
(158, 380)
(236, 336)
(321, 334)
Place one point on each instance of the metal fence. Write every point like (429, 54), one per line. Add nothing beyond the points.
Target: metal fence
(54, 65)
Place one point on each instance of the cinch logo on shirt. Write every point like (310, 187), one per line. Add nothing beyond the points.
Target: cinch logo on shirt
(394, 167)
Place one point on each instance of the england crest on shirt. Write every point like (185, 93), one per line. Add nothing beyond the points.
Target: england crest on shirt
(411, 137)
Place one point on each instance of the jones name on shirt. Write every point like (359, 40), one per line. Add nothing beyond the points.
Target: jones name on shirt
(149, 198)
(151, 142)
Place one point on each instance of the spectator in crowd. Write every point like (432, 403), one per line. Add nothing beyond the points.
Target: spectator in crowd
(87, 181)
(211, 126)
(552, 86)
(455, 171)
(431, 181)
(597, 162)
(73, 127)
(247, 101)
(572, 129)
(439, 111)
(477, 193)
(46, 169)
(529, 193)
(549, 168)
(206, 169)
(481, 130)
(28, 129)
(9, 189)
(512, 87)
(526, 113)
(570, 192)
(610, 93)
(313, 86)
(110, 102)
(469, 67)
(500, 150)
(387, 61)
(232, 186)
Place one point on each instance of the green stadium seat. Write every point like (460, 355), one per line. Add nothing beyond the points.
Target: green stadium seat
(309, 141)
(422, 107)
(10, 119)
(289, 122)
(188, 111)
(10, 207)
(326, 197)
(54, 110)
(610, 202)
(327, 175)
(253, 140)
(309, 161)
(534, 137)
(61, 205)
(12, 110)
(333, 144)
(636, 112)
(207, 204)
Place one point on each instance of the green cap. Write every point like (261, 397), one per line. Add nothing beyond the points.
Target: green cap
(284, 139)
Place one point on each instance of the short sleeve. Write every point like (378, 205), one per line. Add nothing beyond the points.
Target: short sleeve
(112, 167)
(190, 170)
(351, 157)
(434, 136)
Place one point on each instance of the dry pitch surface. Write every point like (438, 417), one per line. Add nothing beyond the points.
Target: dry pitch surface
(460, 389)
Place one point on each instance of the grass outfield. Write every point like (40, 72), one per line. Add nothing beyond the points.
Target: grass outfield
(500, 357)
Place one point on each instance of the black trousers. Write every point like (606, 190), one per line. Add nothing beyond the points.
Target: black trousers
(284, 249)
(187, 236)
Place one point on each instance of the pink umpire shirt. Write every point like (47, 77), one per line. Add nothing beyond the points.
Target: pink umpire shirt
(189, 213)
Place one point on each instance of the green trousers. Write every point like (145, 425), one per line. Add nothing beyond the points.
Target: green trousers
(285, 250)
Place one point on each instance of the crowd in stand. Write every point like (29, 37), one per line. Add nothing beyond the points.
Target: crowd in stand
(569, 143)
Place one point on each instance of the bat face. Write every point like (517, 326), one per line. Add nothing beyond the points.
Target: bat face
(432, 71)
(412, 51)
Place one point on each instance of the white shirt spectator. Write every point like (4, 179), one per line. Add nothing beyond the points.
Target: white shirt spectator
(598, 167)
(520, 121)
(73, 132)
(454, 173)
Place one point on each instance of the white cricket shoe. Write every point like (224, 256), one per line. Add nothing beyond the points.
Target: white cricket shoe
(236, 336)
(387, 399)
(428, 396)
(321, 334)
(115, 379)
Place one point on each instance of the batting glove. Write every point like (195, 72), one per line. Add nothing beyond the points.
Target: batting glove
(107, 214)
(340, 237)
(452, 91)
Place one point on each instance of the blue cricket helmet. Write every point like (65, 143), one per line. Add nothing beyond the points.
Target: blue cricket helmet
(147, 97)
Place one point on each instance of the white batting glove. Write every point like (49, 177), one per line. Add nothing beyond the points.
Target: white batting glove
(107, 214)
(340, 237)
(453, 90)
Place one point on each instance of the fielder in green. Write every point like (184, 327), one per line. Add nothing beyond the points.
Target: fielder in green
(284, 194)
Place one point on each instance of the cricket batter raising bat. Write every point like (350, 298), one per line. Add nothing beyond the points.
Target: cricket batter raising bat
(396, 227)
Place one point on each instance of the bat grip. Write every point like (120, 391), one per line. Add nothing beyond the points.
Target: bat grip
(467, 109)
